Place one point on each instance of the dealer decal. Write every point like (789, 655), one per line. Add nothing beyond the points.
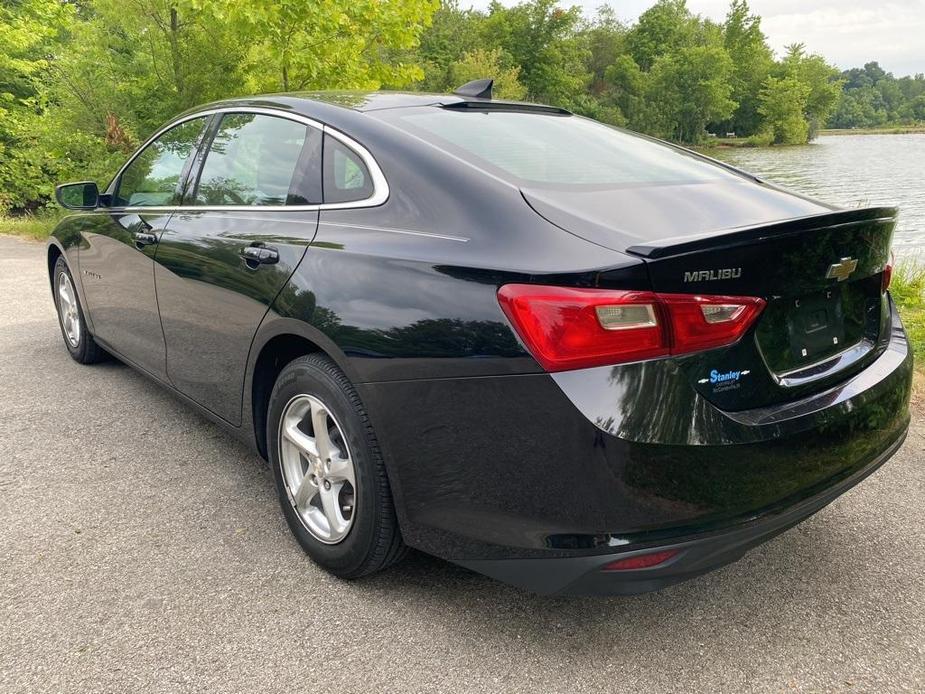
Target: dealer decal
(724, 380)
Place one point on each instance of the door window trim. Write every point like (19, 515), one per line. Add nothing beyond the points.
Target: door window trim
(380, 185)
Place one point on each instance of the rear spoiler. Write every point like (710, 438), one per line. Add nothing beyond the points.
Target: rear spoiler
(728, 238)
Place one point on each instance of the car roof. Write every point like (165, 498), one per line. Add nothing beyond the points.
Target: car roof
(374, 101)
(308, 103)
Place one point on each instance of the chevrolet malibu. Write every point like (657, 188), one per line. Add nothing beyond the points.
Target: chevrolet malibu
(563, 355)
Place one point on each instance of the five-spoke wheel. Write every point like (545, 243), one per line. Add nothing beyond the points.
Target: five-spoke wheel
(317, 468)
(330, 476)
(67, 309)
(77, 338)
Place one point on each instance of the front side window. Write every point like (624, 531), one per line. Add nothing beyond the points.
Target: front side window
(153, 177)
(253, 160)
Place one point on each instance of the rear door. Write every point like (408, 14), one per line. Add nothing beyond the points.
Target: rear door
(116, 258)
(248, 216)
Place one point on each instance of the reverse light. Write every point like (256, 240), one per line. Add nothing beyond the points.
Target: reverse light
(571, 328)
(720, 313)
(641, 561)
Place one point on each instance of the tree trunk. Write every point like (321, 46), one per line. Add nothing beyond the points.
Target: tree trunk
(173, 36)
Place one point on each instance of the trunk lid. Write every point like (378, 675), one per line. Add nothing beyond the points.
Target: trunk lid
(826, 315)
(819, 271)
(662, 214)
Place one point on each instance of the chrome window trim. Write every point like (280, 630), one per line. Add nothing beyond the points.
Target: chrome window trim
(380, 184)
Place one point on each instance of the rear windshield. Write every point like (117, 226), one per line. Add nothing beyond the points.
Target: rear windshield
(555, 150)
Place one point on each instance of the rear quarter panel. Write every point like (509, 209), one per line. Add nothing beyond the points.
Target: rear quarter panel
(408, 289)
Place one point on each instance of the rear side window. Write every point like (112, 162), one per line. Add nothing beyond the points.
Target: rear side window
(555, 150)
(346, 178)
(153, 177)
(258, 160)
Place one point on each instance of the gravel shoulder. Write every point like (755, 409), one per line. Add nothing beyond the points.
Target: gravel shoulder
(143, 550)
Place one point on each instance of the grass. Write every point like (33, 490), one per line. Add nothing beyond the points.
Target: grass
(36, 226)
(736, 142)
(884, 130)
(908, 290)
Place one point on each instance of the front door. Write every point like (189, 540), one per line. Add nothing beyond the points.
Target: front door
(229, 251)
(116, 259)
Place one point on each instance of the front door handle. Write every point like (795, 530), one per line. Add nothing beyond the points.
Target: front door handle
(259, 255)
(143, 238)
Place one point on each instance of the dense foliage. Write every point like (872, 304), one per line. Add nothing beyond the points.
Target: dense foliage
(873, 97)
(83, 82)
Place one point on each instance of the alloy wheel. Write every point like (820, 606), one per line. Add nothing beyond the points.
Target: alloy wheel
(67, 309)
(317, 468)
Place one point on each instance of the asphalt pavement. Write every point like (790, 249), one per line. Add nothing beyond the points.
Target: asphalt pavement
(142, 549)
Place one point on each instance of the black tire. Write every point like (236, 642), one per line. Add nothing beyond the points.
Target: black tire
(373, 541)
(84, 350)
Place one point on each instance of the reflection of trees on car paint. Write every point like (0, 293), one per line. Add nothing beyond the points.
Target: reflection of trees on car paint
(764, 473)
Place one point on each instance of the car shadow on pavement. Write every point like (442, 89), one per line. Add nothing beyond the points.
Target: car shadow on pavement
(794, 575)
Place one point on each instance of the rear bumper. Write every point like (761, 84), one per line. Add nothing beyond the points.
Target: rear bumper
(696, 555)
(558, 475)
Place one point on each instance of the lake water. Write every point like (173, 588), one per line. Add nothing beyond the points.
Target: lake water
(851, 170)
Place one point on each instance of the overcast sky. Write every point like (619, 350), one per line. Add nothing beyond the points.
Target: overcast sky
(848, 33)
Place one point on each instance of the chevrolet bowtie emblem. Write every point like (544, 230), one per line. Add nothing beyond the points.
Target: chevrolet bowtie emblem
(842, 269)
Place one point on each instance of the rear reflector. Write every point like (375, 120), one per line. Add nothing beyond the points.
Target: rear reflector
(572, 328)
(641, 561)
(887, 274)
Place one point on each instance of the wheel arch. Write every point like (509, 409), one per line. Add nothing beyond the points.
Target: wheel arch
(65, 242)
(277, 343)
(53, 252)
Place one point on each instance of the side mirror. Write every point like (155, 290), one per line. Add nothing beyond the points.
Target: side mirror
(78, 196)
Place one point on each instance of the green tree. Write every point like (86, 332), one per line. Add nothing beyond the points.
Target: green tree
(32, 34)
(663, 29)
(917, 108)
(689, 89)
(859, 108)
(178, 50)
(481, 63)
(872, 96)
(296, 45)
(451, 34)
(605, 37)
(783, 104)
(627, 85)
(542, 39)
(751, 60)
(823, 81)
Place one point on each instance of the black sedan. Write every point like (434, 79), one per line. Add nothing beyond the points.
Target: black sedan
(570, 357)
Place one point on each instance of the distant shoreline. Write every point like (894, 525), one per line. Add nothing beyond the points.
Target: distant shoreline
(886, 130)
(746, 142)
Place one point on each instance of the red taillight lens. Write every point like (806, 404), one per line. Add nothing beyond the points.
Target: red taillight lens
(641, 561)
(704, 322)
(563, 329)
(887, 277)
(571, 328)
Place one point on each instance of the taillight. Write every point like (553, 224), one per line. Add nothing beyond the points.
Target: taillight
(571, 328)
(887, 276)
(704, 322)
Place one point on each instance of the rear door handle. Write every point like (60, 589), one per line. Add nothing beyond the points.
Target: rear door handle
(259, 255)
(143, 238)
